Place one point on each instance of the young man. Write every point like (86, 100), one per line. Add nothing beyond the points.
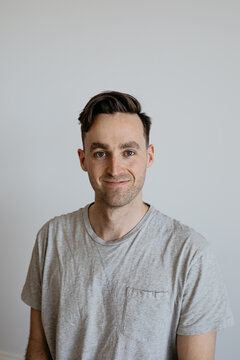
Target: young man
(117, 279)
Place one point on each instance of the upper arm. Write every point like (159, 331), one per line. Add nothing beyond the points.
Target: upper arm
(196, 347)
(36, 327)
(37, 346)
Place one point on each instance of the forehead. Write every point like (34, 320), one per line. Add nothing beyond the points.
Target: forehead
(116, 128)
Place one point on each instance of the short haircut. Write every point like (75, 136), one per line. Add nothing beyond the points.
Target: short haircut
(111, 102)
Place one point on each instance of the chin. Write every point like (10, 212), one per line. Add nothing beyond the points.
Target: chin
(120, 201)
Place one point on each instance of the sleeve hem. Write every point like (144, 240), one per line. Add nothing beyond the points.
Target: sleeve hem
(198, 331)
(31, 303)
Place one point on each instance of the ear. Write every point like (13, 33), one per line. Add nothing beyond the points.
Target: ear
(82, 158)
(150, 155)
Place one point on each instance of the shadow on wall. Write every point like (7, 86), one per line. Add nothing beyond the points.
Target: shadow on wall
(8, 356)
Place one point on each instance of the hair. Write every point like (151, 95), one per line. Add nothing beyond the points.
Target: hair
(111, 102)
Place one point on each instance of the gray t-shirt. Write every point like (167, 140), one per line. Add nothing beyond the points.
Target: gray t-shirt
(123, 299)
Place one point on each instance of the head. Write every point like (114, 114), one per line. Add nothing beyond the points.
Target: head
(112, 102)
(115, 150)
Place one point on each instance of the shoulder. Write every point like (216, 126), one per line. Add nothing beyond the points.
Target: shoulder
(60, 226)
(178, 238)
(64, 219)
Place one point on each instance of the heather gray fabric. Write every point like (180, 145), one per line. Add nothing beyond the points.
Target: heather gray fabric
(125, 299)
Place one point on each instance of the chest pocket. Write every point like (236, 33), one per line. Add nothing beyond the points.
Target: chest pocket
(145, 314)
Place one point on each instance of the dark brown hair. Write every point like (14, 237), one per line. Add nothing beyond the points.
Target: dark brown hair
(111, 102)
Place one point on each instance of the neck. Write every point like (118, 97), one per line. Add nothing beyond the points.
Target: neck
(113, 223)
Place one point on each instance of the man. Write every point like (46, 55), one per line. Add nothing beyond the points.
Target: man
(118, 279)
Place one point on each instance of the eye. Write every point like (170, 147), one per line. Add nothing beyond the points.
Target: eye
(100, 154)
(129, 153)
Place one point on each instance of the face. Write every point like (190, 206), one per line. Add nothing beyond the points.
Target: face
(116, 158)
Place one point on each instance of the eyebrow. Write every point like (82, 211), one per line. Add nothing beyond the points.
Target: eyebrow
(97, 145)
(130, 144)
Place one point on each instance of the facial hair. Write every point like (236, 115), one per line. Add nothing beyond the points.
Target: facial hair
(119, 196)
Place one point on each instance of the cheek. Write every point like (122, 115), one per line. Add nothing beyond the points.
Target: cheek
(94, 168)
(137, 166)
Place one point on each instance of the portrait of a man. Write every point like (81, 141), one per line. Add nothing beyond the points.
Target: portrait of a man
(118, 279)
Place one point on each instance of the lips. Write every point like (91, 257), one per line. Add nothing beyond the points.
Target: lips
(116, 182)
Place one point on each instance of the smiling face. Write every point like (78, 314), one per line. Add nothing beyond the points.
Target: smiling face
(116, 158)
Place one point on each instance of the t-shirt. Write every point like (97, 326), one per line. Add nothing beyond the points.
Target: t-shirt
(123, 299)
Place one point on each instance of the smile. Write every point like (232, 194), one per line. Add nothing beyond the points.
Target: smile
(116, 183)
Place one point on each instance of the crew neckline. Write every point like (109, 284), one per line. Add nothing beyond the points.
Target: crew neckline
(121, 240)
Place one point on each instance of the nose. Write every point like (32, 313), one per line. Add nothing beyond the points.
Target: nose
(114, 166)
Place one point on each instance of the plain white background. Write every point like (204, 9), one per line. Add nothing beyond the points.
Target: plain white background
(181, 60)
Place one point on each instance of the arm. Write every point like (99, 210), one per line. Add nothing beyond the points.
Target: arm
(37, 348)
(196, 347)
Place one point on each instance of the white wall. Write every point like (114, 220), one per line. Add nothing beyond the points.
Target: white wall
(181, 60)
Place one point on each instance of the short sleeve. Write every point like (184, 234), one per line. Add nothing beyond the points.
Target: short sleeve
(205, 304)
(32, 290)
